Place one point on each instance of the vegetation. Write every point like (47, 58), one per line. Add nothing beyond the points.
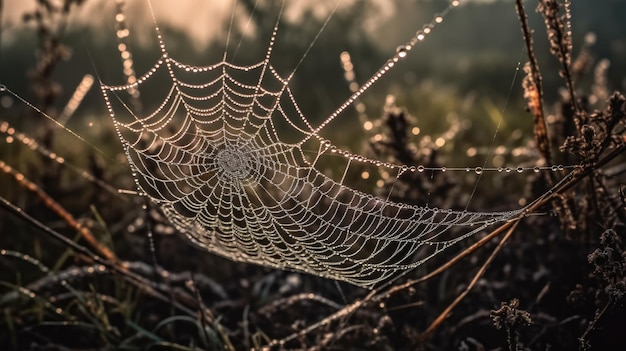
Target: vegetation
(85, 267)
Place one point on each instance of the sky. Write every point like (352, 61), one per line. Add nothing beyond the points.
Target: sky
(188, 15)
(202, 20)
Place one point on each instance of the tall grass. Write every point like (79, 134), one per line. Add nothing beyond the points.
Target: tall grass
(85, 267)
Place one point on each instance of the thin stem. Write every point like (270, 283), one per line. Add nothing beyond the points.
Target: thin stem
(437, 322)
(59, 210)
(533, 86)
(138, 281)
(593, 323)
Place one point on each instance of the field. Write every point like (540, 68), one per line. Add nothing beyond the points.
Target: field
(312, 175)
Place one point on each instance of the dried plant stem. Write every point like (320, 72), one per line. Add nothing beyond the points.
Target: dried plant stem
(592, 324)
(59, 210)
(443, 315)
(533, 90)
(452, 261)
(559, 35)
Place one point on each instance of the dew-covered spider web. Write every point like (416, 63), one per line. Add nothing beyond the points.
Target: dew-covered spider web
(232, 162)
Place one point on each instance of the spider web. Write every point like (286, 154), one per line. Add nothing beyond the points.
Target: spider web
(227, 157)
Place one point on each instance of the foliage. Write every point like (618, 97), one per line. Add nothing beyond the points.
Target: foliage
(91, 281)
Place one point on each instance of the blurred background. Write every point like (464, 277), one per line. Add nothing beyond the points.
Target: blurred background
(450, 94)
(476, 50)
(467, 68)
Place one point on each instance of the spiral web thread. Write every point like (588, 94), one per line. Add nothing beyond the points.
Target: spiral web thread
(224, 157)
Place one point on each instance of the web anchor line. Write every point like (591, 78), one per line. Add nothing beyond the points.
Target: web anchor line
(401, 52)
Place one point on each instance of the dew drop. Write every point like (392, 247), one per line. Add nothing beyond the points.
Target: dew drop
(520, 169)
(553, 168)
(536, 169)
(3, 87)
(507, 170)
(478, 170)
(420, 168)
(560, 167)
(443, 169)
(403, 50)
